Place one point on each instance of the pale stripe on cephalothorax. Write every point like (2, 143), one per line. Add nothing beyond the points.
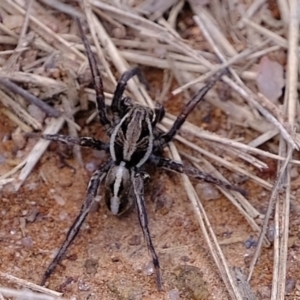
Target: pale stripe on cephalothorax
(113, 137)
(150, 144)
(133, 133)
(136, 116)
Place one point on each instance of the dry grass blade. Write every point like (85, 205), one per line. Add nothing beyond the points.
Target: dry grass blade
(44, 31)
(28, 285)
(208, 233)
(19, 111)
(5, 181)
(204, 77)
(250, 132)
(251, 98)
(15, 119)
(91, 20)
(275, 193)
(25, 294)
(225, 163)
(38, 150)
(238, 200)
(22, 41)
(68, 9)
(29, 97)
(283, 211)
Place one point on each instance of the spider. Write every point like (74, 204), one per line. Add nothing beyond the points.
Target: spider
(134, 142)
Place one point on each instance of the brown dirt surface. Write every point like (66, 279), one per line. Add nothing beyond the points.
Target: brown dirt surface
(109, 258)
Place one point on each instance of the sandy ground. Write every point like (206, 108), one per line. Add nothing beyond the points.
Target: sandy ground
(109, 259)
(109, 256)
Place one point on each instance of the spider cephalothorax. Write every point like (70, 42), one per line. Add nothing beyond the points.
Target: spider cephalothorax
(132, 145)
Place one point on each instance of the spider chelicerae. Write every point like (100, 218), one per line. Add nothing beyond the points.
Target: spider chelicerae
(134, 143)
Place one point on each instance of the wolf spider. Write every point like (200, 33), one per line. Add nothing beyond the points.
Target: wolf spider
(134, 142)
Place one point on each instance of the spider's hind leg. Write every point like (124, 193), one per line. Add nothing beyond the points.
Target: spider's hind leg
(138, 186)
(177, 167)
(85, 208)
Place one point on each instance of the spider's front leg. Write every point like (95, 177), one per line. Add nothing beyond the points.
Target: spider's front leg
(85, 208)
(138, 186)
(167, 137)
(97, 80)
(177, 167)
(81, 141)
(122, 83)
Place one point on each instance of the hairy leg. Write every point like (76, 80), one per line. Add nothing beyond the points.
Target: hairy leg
(122, 83)
(98, 84)
(177, 167)
(85, 208)
(81, 141)
(167, 137)
(138, 185)
(159, 114)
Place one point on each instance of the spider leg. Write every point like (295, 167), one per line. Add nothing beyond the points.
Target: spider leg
(138, 186)
(85, 208)
(97, 80)
(81, 141)
(117, 98)
(167, 137)
(177, 167)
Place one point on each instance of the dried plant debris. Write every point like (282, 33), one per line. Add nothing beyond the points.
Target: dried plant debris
(245, 132)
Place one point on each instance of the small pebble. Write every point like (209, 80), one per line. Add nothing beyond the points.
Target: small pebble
(173, 295)
(2, 159)
(20, 154)
(119, 32)
(207, 191)
(63, 215)
(251, 242)
(27, 242)
(59, 200)
(82, 286)
(290, 285)
(31, 186)
(31, 216)
(13, 21)
(65, 181)
(164, 203)
(134, 240)
(294, 173)
(160, 52)
(91, 166)
(148, 268)
(91, 266)
(264, 292)
(36, 113)
(125, 289)
(18, 138)
(189, 281)
(271, 233)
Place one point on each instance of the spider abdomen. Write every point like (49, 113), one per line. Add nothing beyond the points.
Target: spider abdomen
(118, 188)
